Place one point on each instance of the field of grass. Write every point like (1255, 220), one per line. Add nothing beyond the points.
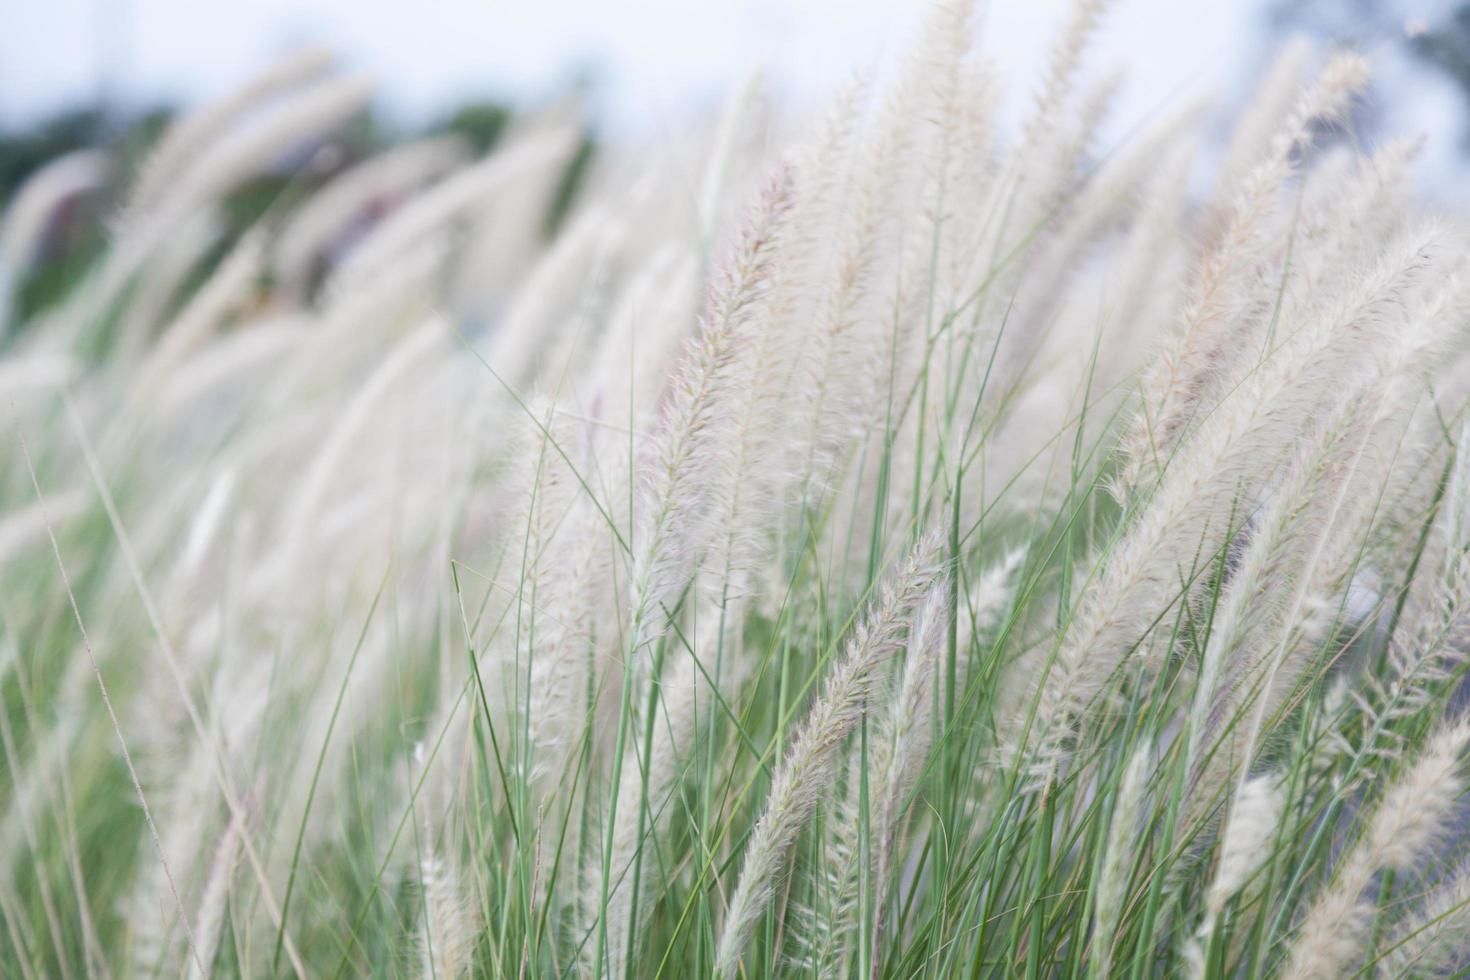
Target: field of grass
(887, 543)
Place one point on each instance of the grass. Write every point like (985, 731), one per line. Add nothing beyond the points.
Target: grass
(878, 544)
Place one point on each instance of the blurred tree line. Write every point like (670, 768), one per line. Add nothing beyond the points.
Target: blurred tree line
(25, 149)
(77, 234)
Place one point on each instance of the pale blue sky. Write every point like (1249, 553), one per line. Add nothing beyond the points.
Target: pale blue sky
(654, 60)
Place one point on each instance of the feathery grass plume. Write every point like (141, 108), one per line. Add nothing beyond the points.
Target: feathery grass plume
(754, 495)
(807, 769)
(1220, 314)
(821, 167)
(986, 601)
(960, 194)
(216, 895)
(951, 36)
(191, 811)
(329, 217)
(1428, 644)
(559, 281)
(824, 928)
(1262, 118)
(1102, 202)
(35, 786)
(227, 289)
(214, 172)
(198, 131)
(356, 325)
(643, 339)
(1413, 814)
(25, 376)
(445, 922)
(564, 550)
(1151, 267)
(1316, 558)
(33, 205)
(1064, 58)
(719, 172)
(446, 934)
(1043, 165)
(1376, 398)
(570, 654)
(823, 934)
(1195, 359)
(1413, 490)
(306, 115)
(1119, 857)
(1251, 602)
(456, 196)
(1342, 215)
(845, 354)
(1186, 514)
(748, 495)
(690, 446)
(677, 478)
(901, 750)
(315, 486)
(904, 734)
(681, 702)
(1255, 819)
(222, 366)
(502, 235)
(1433, 939)
(162, 277)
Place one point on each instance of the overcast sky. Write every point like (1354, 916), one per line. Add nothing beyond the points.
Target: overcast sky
(651, 58)
(653, 61)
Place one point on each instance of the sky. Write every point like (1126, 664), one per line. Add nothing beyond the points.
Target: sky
(653, 62)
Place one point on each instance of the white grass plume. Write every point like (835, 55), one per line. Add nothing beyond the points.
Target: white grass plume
(223, 165)
(900, 743)
(226, 289)
(690, 444)
(190, 135)
(1119, 857)
(808, 767)
(1185, 371)
(1255, 817)
(1433, 938)
(451, 199)
(319, 224)
(1140, 575)
(214, 901)
(23, 223)
(1413, 814)
(686, 694)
